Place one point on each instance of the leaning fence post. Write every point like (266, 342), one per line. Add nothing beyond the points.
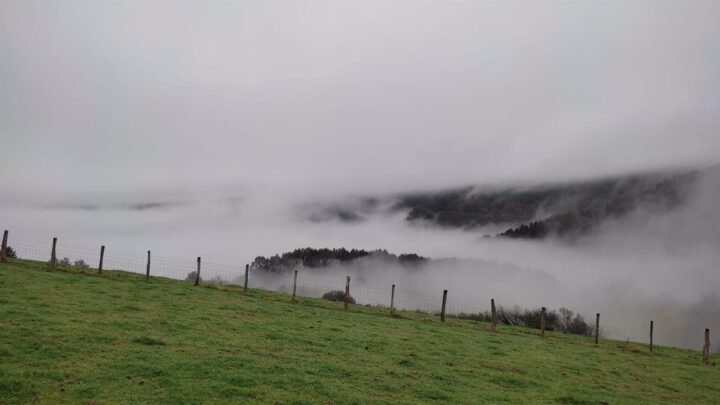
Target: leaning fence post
(542, 322)
(247, 268)
(706, 348)
(493, 324)
(53, 255)
(392, 299)
(3, 252)
(294, 285)
(197, 274)
(347, 292)
(597, 328)
(651, 336)
(102, 256)
(147, 270)
(442, 310)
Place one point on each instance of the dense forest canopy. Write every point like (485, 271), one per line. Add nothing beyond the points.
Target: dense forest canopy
(324, 257)
(563, 210)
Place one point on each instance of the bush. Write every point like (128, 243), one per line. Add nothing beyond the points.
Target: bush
(573, 324)
(81, 264)
(217, 280)
(10, 253)
(480, 316)
(565, 321)
(337, 295)
(191, 276)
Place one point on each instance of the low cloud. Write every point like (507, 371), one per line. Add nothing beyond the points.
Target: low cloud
(645, 266)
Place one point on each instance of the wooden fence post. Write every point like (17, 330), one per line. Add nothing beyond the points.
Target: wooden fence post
(53, 255)
(651, 336)
(542, 322)
(706, 348)
(102, 256)
(597, 328)
(197, 274)
(147, 270)
(442, 310)
(245, 284)
(392, 299)
(493, 324)
(3, 252)
(347, 292)
(294, 285)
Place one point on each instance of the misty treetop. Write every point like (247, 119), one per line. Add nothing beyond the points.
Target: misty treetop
(324, 257)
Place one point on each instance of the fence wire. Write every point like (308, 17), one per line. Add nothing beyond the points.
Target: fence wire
(312, 286)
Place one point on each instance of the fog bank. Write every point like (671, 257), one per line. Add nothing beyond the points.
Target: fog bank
(649, 265)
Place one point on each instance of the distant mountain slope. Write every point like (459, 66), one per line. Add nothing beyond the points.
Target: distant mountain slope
(533, 212)
(540, 211)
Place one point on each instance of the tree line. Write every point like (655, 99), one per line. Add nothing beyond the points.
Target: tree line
(324, 257)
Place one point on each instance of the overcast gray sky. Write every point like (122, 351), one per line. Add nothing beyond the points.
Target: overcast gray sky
(362, 96)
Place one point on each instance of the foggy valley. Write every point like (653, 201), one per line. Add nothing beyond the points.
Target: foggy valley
(652, 262)
(538, 153)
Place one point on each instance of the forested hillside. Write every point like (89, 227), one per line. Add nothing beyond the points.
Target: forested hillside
(538, 211)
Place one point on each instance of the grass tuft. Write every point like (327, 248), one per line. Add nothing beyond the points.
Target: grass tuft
(149, 341)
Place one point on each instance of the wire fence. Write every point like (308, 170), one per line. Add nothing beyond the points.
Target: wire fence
(315, 286)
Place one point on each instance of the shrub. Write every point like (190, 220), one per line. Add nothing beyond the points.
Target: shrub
(191, 276)
(10, 253)
(563, 320)
(337, 295)
(81, 264)
(65, 261)
(217, 280)
(573, 324)
(478, 316)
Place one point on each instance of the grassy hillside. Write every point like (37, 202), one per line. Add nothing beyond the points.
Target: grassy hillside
(83, 338)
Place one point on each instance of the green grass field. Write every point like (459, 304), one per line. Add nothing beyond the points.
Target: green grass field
(82, 338)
